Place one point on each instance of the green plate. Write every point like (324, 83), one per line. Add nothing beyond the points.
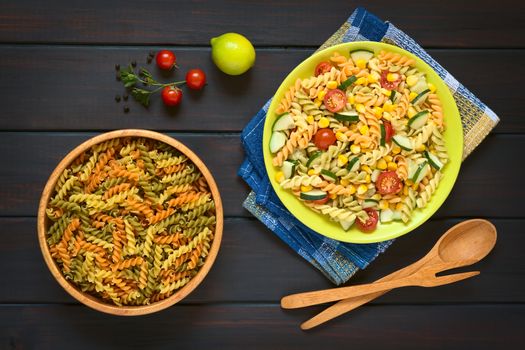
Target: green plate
(453, 139)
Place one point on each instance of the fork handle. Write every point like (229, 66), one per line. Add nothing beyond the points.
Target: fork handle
(299, 300)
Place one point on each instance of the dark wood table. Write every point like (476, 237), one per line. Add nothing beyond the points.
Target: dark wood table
(57, 87)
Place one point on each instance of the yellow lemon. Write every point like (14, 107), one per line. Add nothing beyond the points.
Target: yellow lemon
(232, 53)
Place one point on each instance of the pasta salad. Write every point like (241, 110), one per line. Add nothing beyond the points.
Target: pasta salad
(361, 140)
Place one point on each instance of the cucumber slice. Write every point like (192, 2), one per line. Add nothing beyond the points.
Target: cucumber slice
(393, 94)
(283, 122)
(420, 172)
(361, 55)
(382, 142)
(353, 164)
(420, 86)
(370, 203)
(350, 116)
(403, 142)
(313, 195)
(312, 158)
(412, 168)
(397, 215)
(345, 84)
(420, 119)
(433, 160)
(422, 97)
(288, 169)
(328, 175)
(346, 224)
(386, 215)
(277, 141)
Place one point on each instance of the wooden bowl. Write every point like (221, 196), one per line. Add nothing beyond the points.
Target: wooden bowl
(90, 300)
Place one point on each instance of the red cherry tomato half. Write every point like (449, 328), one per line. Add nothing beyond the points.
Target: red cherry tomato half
(321, 201)
(389, 131)
(195, 79)
(165, 59)
(324, 138)
(370, 224)
(171, 96)
(335, 100)
(389, 85)
(388, 183)
(322, 67)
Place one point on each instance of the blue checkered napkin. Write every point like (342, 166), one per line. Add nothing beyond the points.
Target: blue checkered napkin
(337, 260)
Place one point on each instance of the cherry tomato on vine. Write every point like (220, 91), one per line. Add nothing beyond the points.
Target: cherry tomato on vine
(166, 59)
(335, 100)
(171, 96)
(195, 79)
(324, 138)
(322, 67)
(370, 224)
(388, 183)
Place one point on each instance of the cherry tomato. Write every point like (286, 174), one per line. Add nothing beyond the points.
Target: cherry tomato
(335, 100)
(388, 183)
(370, 224)
(165, 59)
(389, 131)
(195, 79)
(323, 138)
(389, 85)
(322, 67)
(321, 201)
(171, 96)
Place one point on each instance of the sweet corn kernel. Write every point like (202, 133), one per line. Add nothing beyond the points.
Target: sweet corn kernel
(324, 122)
(388, 158)
(431, 87)
(321, 94)
(344, 182)
(387, 116)
(392, 166)
(332, 84)
(361, 81)
(351, 189)
(312, 172)
(362, 189)
(415, 187)
(310, 119)
(396, 149)
(399, 206)
(364, 130)
(279, 176)
(360, 108)
(411, 112)
(368, 178)
(409, 183)
(366, 168)
(306, 188)
(351, 99)
(381, 164)
(420, 148)
(412, 80)
(412, 96)
(355, 149)
(361, 63)
(387, 106)
(378, 111)
(391, 77)
(383, 204)
(431, 148)
(318, 103)
(333, 196)
(405, 190)
(371, 78)
(342, 160)
(386, 92)
(376, 197)
(341, 137)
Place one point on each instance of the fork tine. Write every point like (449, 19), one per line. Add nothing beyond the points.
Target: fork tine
(442, 280)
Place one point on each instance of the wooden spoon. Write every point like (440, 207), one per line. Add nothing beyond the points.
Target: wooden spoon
(469, 241)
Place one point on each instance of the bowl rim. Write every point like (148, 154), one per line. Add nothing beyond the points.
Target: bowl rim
(92, 301)
(331, 229)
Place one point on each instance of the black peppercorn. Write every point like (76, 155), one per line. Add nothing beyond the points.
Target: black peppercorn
(126, 109)
(117, 98)
(125, 97)
(134, 63)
